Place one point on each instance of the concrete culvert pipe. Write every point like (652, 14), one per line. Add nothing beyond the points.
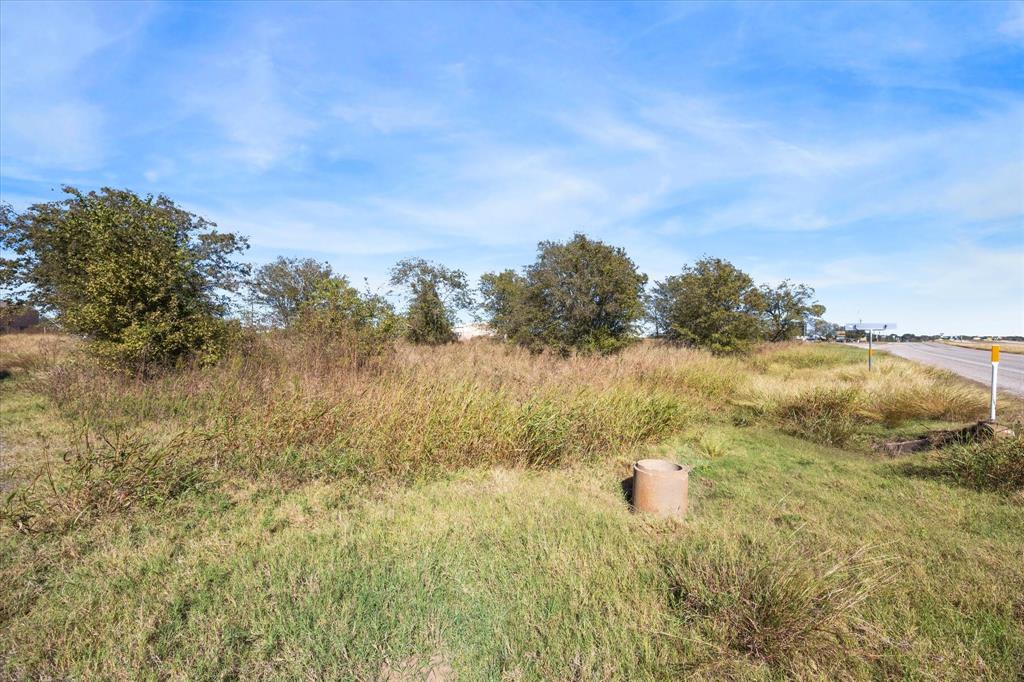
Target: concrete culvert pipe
(660, 487)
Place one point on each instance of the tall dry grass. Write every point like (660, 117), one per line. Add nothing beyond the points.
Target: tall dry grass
(825, 394)
(236, 577)
(296, 408)
(22, 353)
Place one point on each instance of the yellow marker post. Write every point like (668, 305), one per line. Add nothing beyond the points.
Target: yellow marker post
(995, 380)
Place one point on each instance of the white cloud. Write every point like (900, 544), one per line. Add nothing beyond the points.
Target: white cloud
(248, 100)
(612, 132)
(938, 288)
(992, 193)
(50, 119)
(46, 43)
(390, 112)
(1013, 25)
(159, 169)
(496, 143)
(68, 135)
(299, 225)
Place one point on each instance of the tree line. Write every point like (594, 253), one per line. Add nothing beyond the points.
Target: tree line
(149, 282)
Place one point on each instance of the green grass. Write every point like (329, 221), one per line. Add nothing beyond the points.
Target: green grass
(546, 575)
(798, 559)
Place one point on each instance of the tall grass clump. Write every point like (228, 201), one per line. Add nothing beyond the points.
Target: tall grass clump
(771, 602)
(904, 392)
(825, 415)
(107, 473)
(826, 394)
(992, 464)
(296, 408)
(24, 353)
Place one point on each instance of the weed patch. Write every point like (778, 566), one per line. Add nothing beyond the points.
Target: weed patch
(229, 530)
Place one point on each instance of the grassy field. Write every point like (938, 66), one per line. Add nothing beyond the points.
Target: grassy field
(1004, 346)
(297, 513)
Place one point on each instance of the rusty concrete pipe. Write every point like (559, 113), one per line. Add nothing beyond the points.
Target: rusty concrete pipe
(660, 487)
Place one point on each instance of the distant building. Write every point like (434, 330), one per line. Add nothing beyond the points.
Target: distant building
(17, 318)
(465, 332)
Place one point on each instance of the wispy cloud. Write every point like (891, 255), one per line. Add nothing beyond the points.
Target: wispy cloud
(1013, 24)
(49, 120)
(246, 97)
(390, 112)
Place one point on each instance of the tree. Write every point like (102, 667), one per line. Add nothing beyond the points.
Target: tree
(335, 304)
(583, 295)
(335, 311)
(787, 309)
(712, 304)
(283, 287)
(504, 302)
(436, 294)
(824, 329)
(145, 280)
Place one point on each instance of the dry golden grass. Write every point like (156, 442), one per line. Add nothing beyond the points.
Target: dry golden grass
(25, 352)
(827, 395)
(1004, 346)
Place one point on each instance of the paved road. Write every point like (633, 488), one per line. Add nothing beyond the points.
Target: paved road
(967, 362)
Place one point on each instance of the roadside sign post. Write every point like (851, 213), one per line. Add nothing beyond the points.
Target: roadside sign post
(995, 379)
(870, 328)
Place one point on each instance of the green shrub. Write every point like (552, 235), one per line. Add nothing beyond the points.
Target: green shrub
(436, 294)
(711, 304)
(582, 296)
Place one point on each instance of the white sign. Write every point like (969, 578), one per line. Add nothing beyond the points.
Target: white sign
(869, 326)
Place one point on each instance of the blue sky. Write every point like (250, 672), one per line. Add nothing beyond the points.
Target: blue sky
(873, 151)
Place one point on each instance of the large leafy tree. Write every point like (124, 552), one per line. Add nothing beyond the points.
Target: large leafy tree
(283, 287)
(583, 295)
(788, 308)
(145, 280)
(711, 304)
(435, 295)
